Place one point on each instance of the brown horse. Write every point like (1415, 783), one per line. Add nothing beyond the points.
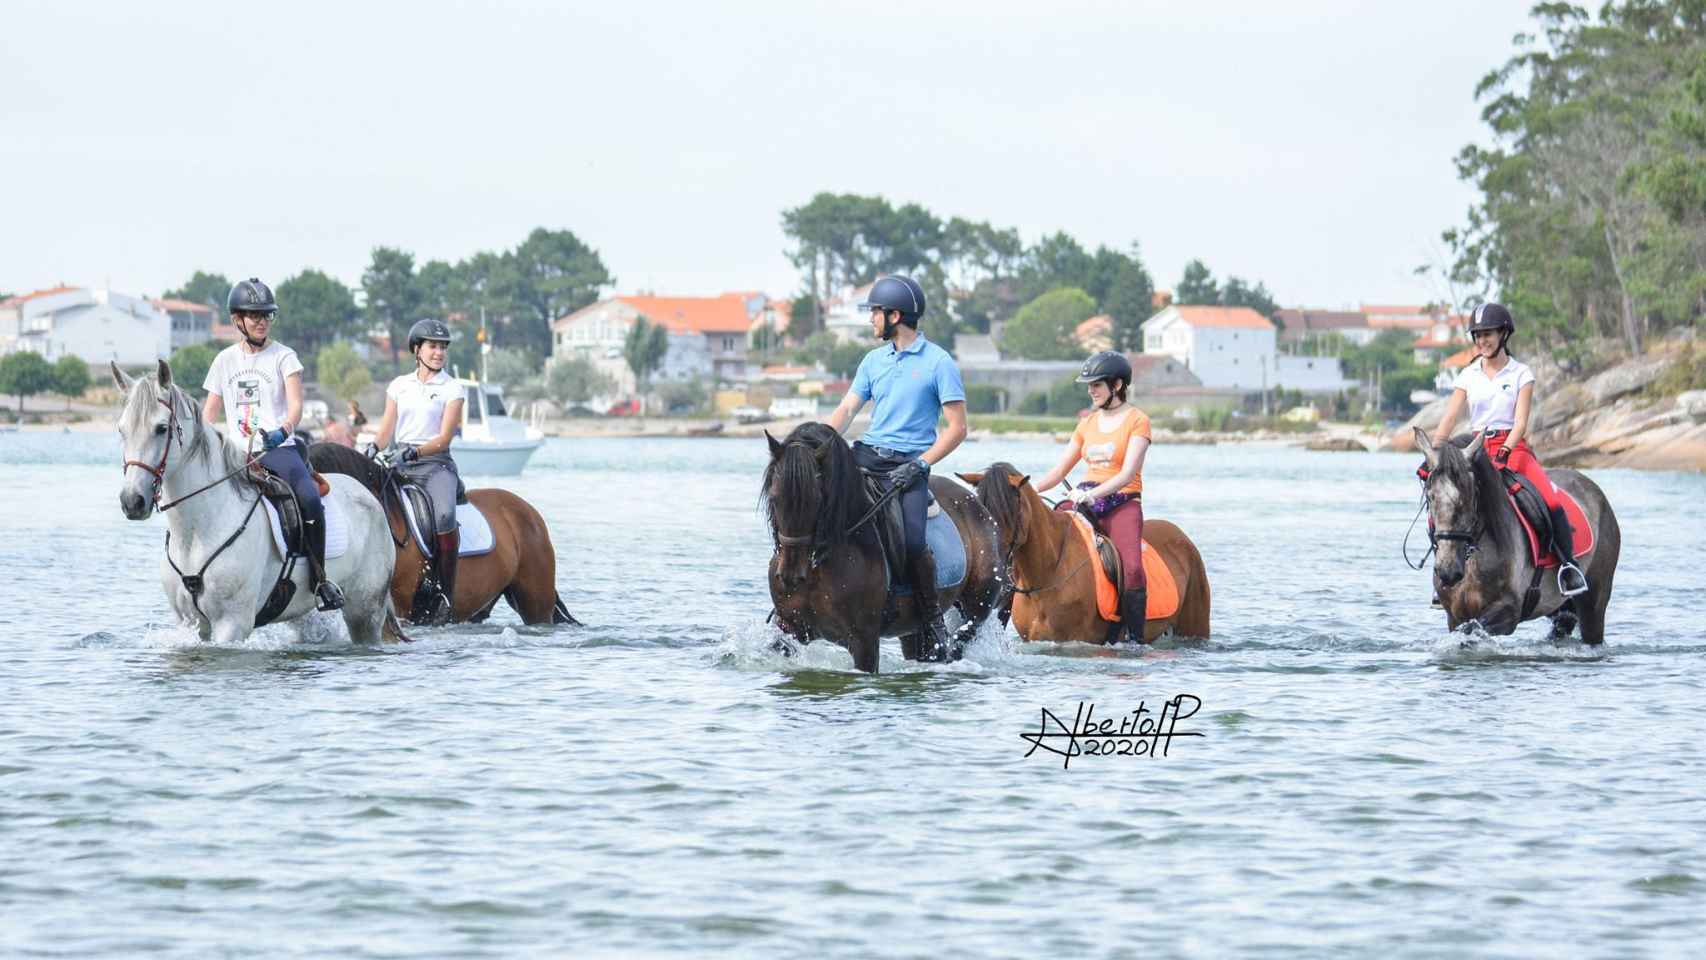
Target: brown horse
(1052, 571)
(521, 567)
(828, 578)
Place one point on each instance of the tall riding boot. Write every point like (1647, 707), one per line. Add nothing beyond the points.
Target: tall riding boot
(444, 565)
(1134, 607)
(933, 633)
(1571, 580)
(314, 538)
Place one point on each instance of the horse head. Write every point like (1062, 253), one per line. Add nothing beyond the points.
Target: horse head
(1454, 505)
(812, 486)
(1002, 488)
(152, 429)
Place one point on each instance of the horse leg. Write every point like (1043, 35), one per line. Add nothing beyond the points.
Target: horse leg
(1564, 620)
(864, 648)
(911, 646)
(1593, 613)
(560, 614)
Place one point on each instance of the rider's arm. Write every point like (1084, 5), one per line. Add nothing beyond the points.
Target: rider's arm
(1453, 410)
(845, 411)
(387, 424)
(1068, 460)
(951, 435)
(1134, 454)
(292, 402)
(1524, 402)
(446, 429)
(213, 409)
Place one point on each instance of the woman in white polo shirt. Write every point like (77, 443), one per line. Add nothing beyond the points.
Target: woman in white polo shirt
(422, 413)
(1498, 389)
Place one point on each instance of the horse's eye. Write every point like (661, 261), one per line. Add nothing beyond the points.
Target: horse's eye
(159, 429)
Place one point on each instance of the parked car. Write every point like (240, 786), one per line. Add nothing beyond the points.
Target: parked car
(626, 408)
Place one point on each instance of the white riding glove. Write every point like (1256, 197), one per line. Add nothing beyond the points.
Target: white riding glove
(1080, 495)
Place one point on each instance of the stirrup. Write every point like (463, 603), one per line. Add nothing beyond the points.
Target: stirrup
(1580, 578)
(331, 598)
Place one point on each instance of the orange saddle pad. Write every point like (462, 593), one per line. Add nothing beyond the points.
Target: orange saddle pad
(1163, 599)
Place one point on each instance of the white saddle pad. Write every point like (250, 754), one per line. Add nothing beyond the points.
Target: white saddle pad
(337, 528)
(476, 532)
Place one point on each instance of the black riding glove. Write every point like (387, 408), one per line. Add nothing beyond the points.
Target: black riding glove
(909, 473)
(408, 453)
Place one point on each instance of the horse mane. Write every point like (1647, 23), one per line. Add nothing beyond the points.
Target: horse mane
(214, 445)
(337, 458)
(815, 476)
(1479, 474)
(1000, 497)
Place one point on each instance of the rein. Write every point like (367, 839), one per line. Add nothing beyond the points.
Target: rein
(788, 540)
(1013, 586)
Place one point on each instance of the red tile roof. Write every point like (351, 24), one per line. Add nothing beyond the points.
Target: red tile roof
(167, 303)
(1460, 359)
(24, 297)
(1224, 317)
(724, 314)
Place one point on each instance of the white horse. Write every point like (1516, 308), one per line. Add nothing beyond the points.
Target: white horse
(219, 537)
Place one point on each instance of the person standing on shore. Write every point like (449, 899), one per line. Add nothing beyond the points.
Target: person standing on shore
(914, 383)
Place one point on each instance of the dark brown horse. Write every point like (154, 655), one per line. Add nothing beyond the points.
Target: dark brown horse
(1484, 567)
(829, 580)
(1053, 573)
(521, 567)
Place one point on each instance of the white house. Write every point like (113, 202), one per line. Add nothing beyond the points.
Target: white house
(842, 316)
(96, 325)
(707, 337)
(192, 323)
(1226, 347)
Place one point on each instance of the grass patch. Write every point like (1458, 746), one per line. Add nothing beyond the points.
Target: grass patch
(1021, 424)
(1686, 372)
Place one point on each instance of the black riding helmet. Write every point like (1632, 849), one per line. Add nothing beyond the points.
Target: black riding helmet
(250, 296)
(1107, 365)
(1493, 316)
(429, 329)
(896, 292)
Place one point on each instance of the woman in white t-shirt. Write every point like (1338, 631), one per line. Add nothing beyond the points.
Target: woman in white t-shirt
(423, 411)
(255, 386)
(1498, 390)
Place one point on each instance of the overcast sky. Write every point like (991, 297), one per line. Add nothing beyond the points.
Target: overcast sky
(1306, 145)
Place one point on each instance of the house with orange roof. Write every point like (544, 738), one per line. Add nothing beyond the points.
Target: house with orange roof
(96, 325)
(708, 336)
(1095, 334)
(192, 323)
(1234, 348)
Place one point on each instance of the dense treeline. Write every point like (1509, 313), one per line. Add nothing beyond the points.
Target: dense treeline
(549, 274)
(984, 275)
(1592, 217)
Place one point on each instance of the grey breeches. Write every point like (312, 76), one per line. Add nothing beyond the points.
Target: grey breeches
(437, 474)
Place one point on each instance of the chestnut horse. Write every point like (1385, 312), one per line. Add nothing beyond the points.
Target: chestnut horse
(521, 567)
(828, 578)
(1051, 569)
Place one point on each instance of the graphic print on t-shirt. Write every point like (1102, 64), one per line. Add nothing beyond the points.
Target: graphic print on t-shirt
(248, 399)
(1099, 455)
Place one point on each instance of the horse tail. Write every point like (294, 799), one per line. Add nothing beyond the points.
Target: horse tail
(1192, 619)
(337, 458)
(560, 614)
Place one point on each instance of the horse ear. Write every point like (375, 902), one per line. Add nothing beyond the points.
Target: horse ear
(1018, 481)
(971, 479)
(164, 374)
(775, 448)
(121, 378)
(1427, 447)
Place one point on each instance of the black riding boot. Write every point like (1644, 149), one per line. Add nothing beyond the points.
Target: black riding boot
(314, 538)
(444, 571)
(1571, 580)
(1134, 606)
(933, 633)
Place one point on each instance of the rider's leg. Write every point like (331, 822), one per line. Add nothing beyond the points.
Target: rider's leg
(288, 463)
(921, 566)
(1571, 580)
(1125, 525)
(441, 486)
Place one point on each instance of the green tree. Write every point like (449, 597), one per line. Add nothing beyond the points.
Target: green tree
(844, 359)
(1129, 300)
(644, 347)
(1197, 286)
(393, 295)
(554, 274)
(209, 288)
(575, 380)
(511, 366)
(803, 317)
(1043, 328)
(1240, 294)
(341, 371)
(190, 365)
(683, 396)
(314, 310)
(25, 373)
(70, 378)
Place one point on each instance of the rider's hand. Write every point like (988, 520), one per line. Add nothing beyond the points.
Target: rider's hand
(272, 439)
(1079, 495)
(1501, 457)
(909, 473)
(408, 453)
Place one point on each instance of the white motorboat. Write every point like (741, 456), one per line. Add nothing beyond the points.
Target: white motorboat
(491, 442)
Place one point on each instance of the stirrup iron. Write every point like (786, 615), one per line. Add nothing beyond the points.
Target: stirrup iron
(1562, 568)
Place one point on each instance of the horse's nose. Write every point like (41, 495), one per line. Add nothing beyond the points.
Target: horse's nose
(1450, 577)
(132, 503)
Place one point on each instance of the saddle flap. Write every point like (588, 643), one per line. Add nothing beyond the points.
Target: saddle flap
(283, 499)
(1536, 519)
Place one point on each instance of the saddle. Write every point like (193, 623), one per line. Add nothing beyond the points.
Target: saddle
(1536, 520)
(1163, 598)
(889, 523)
(274, 489)
(941, 537)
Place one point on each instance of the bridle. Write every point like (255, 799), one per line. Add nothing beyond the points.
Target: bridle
(175, 429)
(801, 540)
(1011, 584)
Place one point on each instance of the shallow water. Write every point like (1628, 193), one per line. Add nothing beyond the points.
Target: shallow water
(659, 781)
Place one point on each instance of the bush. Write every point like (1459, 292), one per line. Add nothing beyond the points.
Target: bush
(1686, 372)
(1067, 398)
(1034, 404)
(1043, 328)
(190, 365)
(341, 370)
(682, 396)
(983, 398)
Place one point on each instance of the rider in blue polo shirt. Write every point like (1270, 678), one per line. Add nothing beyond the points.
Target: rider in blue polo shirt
(914, 383)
